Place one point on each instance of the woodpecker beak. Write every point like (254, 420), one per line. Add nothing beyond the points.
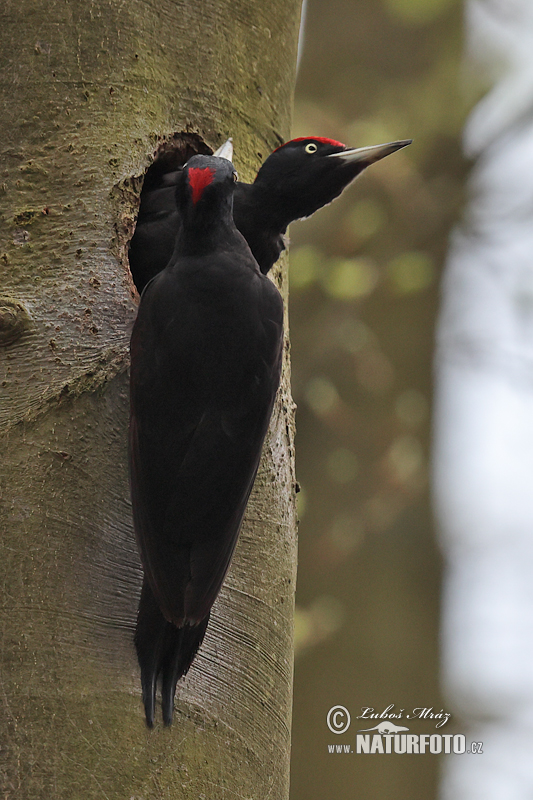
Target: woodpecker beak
(226, 150)
(369, 155)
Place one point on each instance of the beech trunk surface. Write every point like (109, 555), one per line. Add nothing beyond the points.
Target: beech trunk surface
(88, 91)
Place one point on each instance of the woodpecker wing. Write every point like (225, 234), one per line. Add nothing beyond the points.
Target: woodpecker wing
(206, 360)
(157, 227)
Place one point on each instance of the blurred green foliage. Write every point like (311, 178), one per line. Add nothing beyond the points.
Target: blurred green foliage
(417, 12)
(364, 276)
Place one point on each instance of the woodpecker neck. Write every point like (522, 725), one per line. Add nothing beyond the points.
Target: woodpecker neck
(206, 224)
(269, 206)
(205, 236)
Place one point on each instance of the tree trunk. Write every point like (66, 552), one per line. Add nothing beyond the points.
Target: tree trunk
(88, 90)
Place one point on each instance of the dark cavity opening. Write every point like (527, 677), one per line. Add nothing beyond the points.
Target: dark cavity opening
(171, 155)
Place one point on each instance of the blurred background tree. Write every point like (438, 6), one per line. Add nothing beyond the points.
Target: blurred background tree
(364, 292)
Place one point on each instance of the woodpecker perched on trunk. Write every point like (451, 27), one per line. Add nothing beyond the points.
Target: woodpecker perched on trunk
(206, 353)
(296, 180)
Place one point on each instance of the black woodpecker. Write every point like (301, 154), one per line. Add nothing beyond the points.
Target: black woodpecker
(206, 352)
(296, 180)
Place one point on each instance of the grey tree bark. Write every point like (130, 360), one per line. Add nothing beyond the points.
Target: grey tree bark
(87, 92)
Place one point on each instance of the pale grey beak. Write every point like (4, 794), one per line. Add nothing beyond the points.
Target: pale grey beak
(369, 154)
(225, 150)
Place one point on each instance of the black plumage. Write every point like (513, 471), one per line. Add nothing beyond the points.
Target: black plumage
(296, 180)
(206, 354)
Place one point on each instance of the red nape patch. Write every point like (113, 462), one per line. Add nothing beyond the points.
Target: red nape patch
(313, 139)
(199, 178)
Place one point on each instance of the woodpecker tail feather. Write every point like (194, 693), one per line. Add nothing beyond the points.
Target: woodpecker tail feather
(179, 655)
(164, 651)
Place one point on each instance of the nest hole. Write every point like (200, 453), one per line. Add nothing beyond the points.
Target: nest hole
(140, 200)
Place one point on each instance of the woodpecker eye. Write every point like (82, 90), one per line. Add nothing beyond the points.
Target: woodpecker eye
(311, 147)
(235, 177)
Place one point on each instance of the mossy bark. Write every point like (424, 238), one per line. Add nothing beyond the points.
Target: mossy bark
(87, 90)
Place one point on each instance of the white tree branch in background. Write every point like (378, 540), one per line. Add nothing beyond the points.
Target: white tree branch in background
(483, 458)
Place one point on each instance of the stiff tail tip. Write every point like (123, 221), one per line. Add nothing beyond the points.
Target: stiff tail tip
(165, 654)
